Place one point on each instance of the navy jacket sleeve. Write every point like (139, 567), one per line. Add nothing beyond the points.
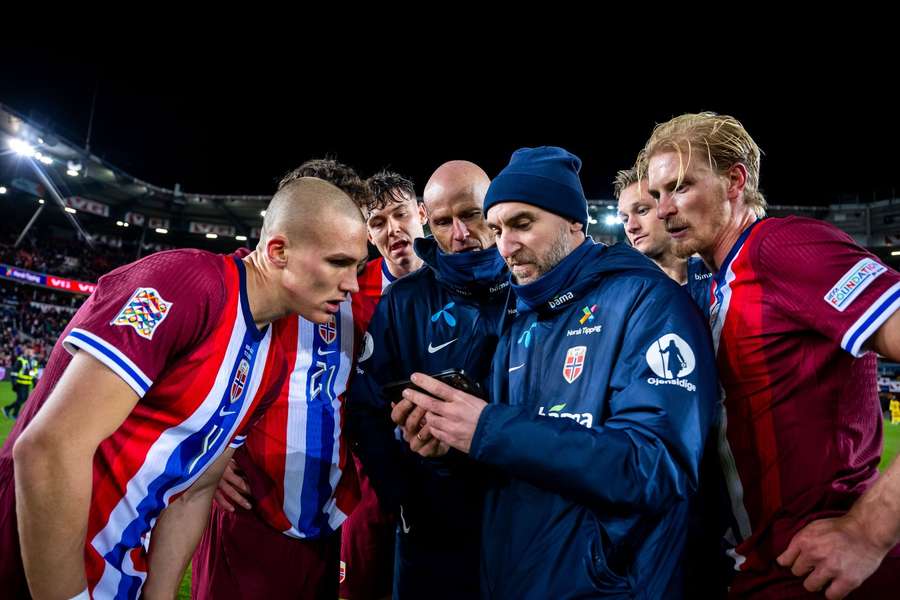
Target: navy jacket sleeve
(644, 452)
(368, 412)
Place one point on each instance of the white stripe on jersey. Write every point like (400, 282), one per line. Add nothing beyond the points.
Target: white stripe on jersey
(295, 452)
(158, 454)
(115, 360)
(866, 331)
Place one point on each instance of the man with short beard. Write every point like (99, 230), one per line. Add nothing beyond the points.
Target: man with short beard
(594, 430)
(798, 313)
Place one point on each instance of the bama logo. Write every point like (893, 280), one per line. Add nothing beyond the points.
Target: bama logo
(560, 300)
(584, 419)
(499, 287)
(671, 359)
(853, 283)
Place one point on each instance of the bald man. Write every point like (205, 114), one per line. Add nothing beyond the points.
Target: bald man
(163, 368)
(447, 315)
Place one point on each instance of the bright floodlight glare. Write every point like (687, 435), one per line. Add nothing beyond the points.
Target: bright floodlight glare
(21, 147)
(211, 236)
(69, 209)
(611, 220)
(161, 230)
(241, 238)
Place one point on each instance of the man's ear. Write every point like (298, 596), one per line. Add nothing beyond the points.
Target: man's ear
(275, 251)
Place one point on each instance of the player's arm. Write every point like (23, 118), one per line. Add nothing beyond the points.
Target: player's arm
(53, 473)
(843, 552)
(178, 531)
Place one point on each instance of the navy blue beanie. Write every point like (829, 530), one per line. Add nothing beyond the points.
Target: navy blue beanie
(546, 177)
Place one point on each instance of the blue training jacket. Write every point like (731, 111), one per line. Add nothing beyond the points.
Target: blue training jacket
(602, 397)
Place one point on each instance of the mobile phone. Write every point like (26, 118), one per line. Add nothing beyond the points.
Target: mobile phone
(457, 378)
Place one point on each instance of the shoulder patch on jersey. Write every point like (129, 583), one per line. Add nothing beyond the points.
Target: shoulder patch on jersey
(854, 281)
(144, 311)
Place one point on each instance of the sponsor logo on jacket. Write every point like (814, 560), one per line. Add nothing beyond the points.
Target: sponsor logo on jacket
(560, 300)
(672, 360)
(584, 419)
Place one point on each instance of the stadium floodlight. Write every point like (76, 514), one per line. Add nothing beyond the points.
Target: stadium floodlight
(211, 236)
(161, 230)
(46, 160)
(40, 200)
(21, 147)
(69, 209)
(610, 207)
(262, 213)
(73, 168)
(71, 172)
(241, 238)
(2, 189)
(611, 220)
(592, 221)
(895, 253)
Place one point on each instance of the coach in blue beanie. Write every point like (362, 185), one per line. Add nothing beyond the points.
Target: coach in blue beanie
(546, 177)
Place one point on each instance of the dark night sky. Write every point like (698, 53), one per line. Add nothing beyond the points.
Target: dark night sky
(828, 135)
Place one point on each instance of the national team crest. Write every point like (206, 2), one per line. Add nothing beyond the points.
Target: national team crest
(144, 311)
(574, 363)
(328, 331)
(240, 380)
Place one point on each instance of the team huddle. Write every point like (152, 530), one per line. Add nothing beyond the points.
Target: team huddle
(502, 409)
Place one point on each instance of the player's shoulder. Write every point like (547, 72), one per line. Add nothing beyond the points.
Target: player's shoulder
(794, 229)
(190, 275)
(184, 263)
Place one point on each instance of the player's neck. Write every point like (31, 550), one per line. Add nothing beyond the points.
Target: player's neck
(399, 271)
(728, 237)
(265, 306)
(673, 266)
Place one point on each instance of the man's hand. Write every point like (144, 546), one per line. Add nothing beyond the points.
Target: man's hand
(232, 489)
(834, 555)
(452, 415)
(411, 420)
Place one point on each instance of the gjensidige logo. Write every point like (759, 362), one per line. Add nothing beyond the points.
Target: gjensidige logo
(671, 359)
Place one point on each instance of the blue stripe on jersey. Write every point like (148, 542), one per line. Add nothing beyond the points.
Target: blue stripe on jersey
(191, 456)
(386, 272)
(723, 269)
(138, 378)
(257, 334)
(320, 420)
(876, 314)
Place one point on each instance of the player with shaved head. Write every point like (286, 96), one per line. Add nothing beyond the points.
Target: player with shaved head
(160, 372)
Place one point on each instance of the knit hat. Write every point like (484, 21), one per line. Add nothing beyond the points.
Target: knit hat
(546, 177)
